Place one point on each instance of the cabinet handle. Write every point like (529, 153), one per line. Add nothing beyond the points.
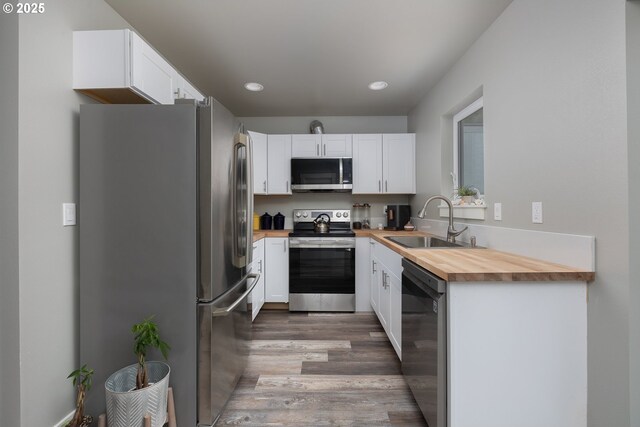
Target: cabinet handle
(260, 263)
(379, 186)
(284, 245)
(318, 150)
(287, 186)
(386, 186)
(384, 280)
(264, 185)
(325, 149)
(373, 267)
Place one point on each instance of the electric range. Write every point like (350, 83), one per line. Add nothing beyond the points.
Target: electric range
(322, 265)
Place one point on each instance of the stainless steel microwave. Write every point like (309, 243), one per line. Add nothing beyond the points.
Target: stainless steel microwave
(334, 174)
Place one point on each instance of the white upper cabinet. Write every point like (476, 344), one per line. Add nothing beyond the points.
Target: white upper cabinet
(337, 145)
(367, 164)
(314, 145)
(151, 74)
(185, 90)
(305, 145)
(279, 164)
(384, 164)
(119, 67)
(259, 141)
(399, 163)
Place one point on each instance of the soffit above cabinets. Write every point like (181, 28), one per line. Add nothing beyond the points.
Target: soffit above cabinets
(313, 57)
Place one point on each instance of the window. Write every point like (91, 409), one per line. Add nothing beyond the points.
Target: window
(468, 146)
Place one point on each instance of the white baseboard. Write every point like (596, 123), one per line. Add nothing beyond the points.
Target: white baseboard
(65, 420)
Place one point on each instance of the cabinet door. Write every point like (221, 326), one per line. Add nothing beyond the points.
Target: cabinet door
(279, 164)
(367, 164)
(150, 73)
(384, 305)
(276, 254)
(399, 163)
(337, 145)
(259, 141)
(305, 145)
(395, 318)
(374, 282)
(363, 268)
(258, 294)
(185, 90)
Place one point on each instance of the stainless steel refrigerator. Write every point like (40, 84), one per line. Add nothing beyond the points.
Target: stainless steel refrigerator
(165, 229)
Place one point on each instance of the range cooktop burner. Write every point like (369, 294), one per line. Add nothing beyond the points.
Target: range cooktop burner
(339, 223)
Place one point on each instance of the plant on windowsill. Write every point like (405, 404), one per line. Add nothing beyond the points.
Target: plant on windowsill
(140, 389)
(467, 194)
(82, 382)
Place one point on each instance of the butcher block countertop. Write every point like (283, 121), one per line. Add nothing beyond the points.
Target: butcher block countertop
(261, 234)
(479, 265)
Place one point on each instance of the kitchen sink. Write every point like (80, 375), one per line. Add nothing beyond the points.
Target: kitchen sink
(417, 242)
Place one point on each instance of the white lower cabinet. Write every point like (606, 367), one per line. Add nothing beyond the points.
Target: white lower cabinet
(386, 291)
(395, 316)
(258, 293)
(276, 257)
(384, 306)
(363, 268)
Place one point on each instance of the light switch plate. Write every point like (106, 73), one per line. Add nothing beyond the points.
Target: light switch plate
(536, 212)
(68, 214)
(497, 211)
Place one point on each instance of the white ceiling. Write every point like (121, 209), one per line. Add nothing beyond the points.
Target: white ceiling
(314, 57)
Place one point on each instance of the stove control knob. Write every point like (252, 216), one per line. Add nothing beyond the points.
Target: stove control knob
(298, 214)
(346, 214)
(338, 214)
(305, 214)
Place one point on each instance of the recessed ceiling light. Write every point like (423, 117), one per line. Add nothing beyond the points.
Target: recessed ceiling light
(253, 87)
(378, 85)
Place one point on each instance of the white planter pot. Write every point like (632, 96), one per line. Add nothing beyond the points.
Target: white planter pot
(468, 200)
(127, 407)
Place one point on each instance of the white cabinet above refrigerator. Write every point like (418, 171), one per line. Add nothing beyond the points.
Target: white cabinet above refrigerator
(119, 67)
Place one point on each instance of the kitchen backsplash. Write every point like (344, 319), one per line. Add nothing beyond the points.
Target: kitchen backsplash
(286, 204)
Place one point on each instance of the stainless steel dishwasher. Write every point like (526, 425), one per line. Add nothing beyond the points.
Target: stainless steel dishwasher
(424, 341)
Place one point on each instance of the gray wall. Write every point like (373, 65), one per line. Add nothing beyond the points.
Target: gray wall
(48, 174)
(9, 285)
(332, 124)
(553, 78)
(633, 115)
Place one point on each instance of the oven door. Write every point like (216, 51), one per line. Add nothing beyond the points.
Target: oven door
(322, 274)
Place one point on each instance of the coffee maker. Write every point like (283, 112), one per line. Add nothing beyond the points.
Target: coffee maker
(397, 216)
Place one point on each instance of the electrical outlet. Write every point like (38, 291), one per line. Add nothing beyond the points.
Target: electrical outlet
(68, 214)
(497, 211)
(536, 212)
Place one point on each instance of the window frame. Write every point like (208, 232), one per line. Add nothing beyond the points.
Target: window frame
(457, 118)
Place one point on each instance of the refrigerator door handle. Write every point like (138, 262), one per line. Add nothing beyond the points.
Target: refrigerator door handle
(242, 202)
(249, 187)
(227, 310)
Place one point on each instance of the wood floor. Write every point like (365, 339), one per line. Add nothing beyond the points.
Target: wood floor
(321, 369)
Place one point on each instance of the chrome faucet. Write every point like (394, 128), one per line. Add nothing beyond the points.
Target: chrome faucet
(452, 233)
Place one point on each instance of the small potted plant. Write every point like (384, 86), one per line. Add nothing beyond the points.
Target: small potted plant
(467, 194)
(82, 382)
(140, 389)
